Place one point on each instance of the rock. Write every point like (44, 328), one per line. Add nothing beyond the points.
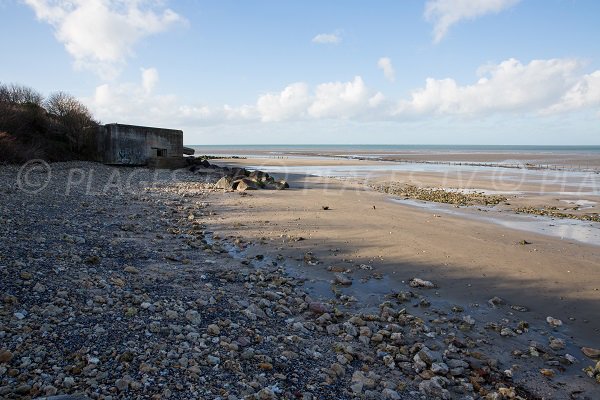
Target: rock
(131, 269)
(259, 176)
(495, 301)
(420, 283)
(590, 352)
(554, 322)
(224, 183)
(241, 185)
(519, 308)
(434, 390)
(193, 316)
(26, 275)
(266, 394)
(122, 385)
(318, 308)
(333, 329)
(357, 387)
(68, 381)
(428, 356)
(390, 394)
(39, 288)
(50, 391)
(281, 185)
(556, 344)
(342, 279)
(5, 356)
(213, 329)
(547, 372)
(350, 329)
(454, 363)
(310, 259)
(265, 366)
(213, 360)
(507, 332)
(439, 368)
(571, 359)
(23, 389)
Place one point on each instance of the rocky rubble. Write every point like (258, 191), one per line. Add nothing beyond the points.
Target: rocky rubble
(440, 195)
(130, 295)
(239, 179)
(554, 212)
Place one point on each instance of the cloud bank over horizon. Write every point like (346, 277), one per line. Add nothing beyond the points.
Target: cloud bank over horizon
(538, 88)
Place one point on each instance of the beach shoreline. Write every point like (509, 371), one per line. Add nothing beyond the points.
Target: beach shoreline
(145, 248)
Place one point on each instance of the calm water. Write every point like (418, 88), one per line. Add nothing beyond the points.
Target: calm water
(391, 148)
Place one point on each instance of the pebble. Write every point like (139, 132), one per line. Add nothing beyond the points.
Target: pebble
(213, 329)
(556, 344)
(342, 279)
(554, 322)
(5, 356)
(421, 283)
(591, 352)
(131, 269)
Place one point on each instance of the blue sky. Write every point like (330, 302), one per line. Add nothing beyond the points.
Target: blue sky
(252, 72)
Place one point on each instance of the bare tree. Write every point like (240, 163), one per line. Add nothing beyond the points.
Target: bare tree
(20, 95)
(73, 117)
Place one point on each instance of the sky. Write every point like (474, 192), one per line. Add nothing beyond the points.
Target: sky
(319, 72)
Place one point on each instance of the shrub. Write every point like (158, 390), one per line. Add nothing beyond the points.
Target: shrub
(13, 151)
(54, 129)
(73, 118)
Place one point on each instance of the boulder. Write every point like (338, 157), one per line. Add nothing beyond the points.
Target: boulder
(224, 183)
(237, 173)
(281, 185)
(259, 176)
(241, 185)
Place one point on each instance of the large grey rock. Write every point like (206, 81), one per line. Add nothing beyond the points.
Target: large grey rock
(224, 183)
(241, 185)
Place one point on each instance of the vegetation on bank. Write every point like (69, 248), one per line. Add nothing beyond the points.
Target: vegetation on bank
(34, 127)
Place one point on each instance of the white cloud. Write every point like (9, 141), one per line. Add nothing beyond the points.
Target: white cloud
(506, 87)
(289, 103)
(385, 64)
(327, 38)
(585, 93)
(101, 34)
(342, 99)
(445, 13)
(149, 79)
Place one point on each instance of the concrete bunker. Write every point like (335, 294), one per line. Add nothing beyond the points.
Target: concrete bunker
(121, 144)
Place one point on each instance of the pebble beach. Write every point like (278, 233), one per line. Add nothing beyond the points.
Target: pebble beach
(116, 284)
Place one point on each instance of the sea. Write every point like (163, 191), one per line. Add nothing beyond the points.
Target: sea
(392, 148)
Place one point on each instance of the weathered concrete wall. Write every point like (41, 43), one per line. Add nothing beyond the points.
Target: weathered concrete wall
(140, 145)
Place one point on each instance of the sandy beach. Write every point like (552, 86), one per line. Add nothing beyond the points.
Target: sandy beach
(472, 256)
